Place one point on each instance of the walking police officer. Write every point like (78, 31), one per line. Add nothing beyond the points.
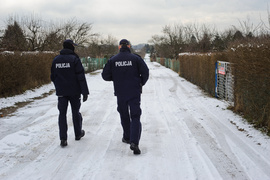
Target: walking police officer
(129, 73)
(68, 76)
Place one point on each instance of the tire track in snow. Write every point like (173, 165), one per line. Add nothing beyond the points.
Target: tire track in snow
(184, 144)
(219, 130)
(160, 134)
(213, 139)
(226, 165)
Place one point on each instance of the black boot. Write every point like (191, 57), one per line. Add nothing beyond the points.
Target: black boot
(135, 148)
(77, 138)
(63, 143)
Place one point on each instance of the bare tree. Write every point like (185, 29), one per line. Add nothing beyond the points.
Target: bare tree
(43, 35)
(53, 40)
(174, 37)
(171, 43)
(108, 46)
(49, 36)
(265, 28)
(34, 32)
(192, 35)
(160, 47)
(205, 43)
(102, 47)
(79, 32)
(179, 38)
(247, 27)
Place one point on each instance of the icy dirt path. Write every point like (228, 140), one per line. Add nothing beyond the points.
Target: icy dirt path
(186, 135)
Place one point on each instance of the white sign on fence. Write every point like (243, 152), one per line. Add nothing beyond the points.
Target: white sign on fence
(221, 68)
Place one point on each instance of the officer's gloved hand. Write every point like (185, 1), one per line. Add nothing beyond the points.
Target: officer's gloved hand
(85, 97)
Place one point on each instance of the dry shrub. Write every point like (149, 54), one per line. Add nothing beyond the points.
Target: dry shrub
(200, 69)
(251, 72)
(19, 73)
(251, 64)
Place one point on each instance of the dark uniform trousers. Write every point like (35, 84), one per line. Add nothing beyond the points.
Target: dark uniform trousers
(130, 112)
(75, 102)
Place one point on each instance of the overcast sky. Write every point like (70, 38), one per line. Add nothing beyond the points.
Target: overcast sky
(139, 20)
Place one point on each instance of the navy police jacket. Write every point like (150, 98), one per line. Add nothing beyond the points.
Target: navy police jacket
(67, 74)
(128, 72)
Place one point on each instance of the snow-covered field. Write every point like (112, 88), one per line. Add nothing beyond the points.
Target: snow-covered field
(186, 135)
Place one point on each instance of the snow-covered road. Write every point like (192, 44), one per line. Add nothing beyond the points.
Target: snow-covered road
(186, 135)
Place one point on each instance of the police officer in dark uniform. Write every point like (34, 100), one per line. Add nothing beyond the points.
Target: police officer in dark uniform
(67, 74)
(129, 73)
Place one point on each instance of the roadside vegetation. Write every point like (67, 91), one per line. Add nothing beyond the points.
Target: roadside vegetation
(192, 51)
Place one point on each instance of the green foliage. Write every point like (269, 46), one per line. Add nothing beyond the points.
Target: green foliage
(14, 39)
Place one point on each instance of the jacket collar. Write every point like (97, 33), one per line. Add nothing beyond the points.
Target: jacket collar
(125, 49)
(67, 52)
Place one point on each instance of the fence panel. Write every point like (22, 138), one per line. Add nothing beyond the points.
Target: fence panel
(92, 64)
(224, 81)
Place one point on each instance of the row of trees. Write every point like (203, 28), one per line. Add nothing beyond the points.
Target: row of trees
(177, 38)
(34, 34)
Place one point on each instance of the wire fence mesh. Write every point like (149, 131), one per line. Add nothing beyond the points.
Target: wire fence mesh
(92, 64)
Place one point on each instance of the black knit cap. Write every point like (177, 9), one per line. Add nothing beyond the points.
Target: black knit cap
(124, 42)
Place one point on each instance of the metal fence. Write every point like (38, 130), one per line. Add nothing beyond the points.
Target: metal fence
(169, 63)
(92, 64)
(224, 81)
(173, 64)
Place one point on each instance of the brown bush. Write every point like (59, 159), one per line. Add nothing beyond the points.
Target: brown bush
(200, 70)
(19, 73)
(251, 66)
(251, 74)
